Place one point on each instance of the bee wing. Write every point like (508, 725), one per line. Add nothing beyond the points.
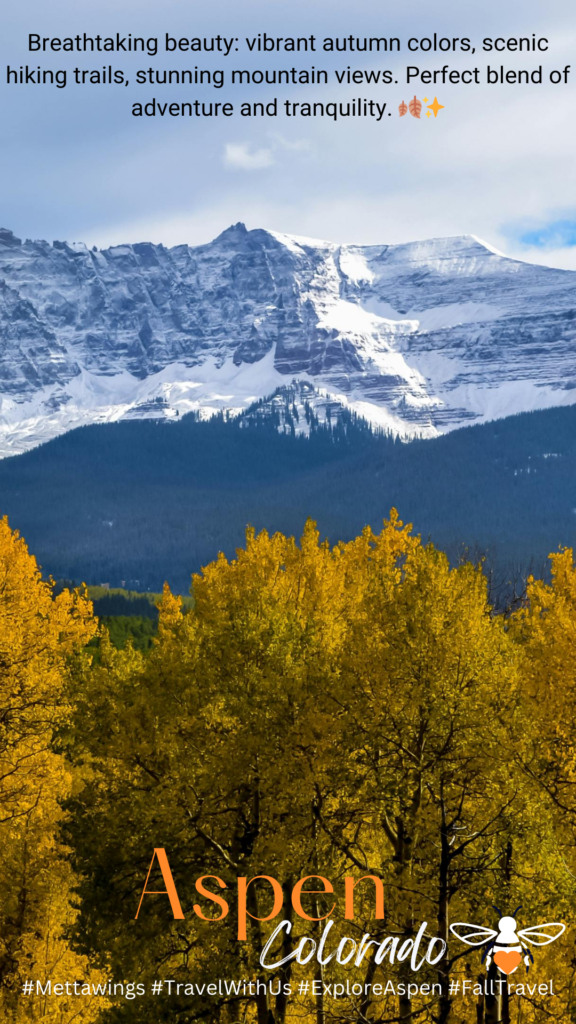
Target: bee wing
(472, 934)
(542, 934)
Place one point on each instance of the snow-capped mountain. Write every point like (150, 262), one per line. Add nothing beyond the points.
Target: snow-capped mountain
(418, 338)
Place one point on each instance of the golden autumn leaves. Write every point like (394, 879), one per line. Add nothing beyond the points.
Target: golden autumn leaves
(331, 710)
(39, 635)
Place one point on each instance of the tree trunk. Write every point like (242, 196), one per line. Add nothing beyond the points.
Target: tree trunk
(505, 1005)
(404, 866)
(262, 1003)
(445, 1003)
(507, 868)
(367, 998)
(480, 1001)
(493, 1011)
(285, 972)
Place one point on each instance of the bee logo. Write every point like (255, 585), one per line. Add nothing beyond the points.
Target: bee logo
(507, 946)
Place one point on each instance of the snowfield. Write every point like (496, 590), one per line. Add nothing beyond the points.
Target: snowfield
(419, 338)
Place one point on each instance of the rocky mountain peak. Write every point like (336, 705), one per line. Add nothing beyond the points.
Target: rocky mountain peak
(418, 338)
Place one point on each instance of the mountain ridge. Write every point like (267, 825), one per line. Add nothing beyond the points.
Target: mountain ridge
(137, 502)
(419, 338)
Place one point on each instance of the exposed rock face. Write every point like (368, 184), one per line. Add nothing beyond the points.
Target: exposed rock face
(419, 338)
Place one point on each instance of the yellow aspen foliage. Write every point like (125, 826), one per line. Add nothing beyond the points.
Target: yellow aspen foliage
(39, 635)
(328, 711)
(545, 631)
(546, 628)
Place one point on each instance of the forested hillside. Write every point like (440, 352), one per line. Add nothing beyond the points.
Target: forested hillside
(133, 503)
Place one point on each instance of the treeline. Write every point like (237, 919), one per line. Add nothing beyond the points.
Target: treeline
(320, 711)
(126, 615)
(139, 631)
(144, 501)
(114, 601)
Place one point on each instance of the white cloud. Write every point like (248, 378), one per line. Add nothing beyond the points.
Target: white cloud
(239, 155)
(563, 259)
(357, 223)
(496, 158)
(296, 145)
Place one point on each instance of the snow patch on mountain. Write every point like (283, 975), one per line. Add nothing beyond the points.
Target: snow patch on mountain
(419, 338)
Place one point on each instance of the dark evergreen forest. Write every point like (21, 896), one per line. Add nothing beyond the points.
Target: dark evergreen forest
(132, 504)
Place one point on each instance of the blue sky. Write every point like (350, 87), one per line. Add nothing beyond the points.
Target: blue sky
(498, 161)
(555, 234)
